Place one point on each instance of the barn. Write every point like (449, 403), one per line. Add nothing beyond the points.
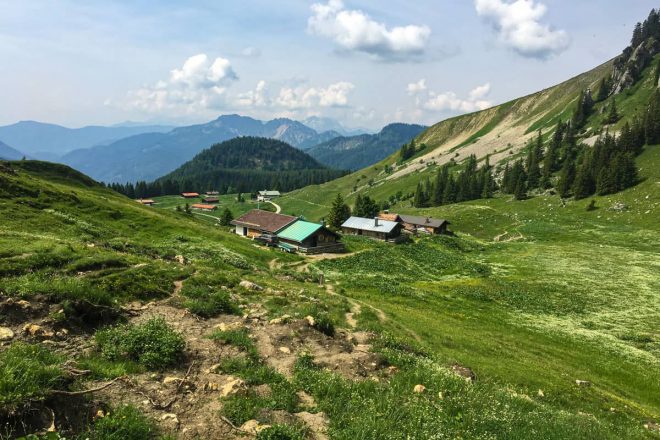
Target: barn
(203, 207)
(265, 196)
(372, 227)
(211, 199)
(189, 195)
(256, 222)
(310, 238)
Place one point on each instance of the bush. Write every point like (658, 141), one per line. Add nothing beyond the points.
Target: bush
(207, 304)
(281, 432)
(124, 423)
(27, 372)
(152, 344)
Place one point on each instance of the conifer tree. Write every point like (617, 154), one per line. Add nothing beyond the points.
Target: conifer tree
(566, 177)
(612, 113)
(226, 217)
(584, 185)
(520, 193)
(419, 200)
(339, 212)
(449, 196)
(533, 170)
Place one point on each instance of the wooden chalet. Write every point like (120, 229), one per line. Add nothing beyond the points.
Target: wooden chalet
(425, 225)
(310, 238)
(212, 193)
(189, 195)
(147, 202)
(264, 196)
(372, 227)
(211, 199)
(256, 222)
(203, 207)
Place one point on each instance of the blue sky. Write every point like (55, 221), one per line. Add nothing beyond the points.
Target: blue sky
(365, 63)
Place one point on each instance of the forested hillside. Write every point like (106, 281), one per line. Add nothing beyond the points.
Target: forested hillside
(244, 164)
(360, 151)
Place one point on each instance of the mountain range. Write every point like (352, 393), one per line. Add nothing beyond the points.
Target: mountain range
(49, 141)
(9, 153)
(359, 151)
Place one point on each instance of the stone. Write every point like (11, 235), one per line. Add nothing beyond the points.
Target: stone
(212, 386)
(281, 320)
(285, 350)
(310, 320)
(541, 393)
(419, 389)
(35, 330)
(465, 372)
(23, 304)
(232, 387)
(6, 334)
(180, 259)
(171, 379)
(214, 368)
(582, 383)
(253, 427)
(170, 419)
(224, 327)
(249, 285)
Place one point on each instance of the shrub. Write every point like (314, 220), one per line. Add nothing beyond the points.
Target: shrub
(238, 338)
(207, 304)
(125, 423)
(152, 344)
(27, 372)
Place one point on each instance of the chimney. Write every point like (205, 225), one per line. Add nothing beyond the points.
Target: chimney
(428, 220)
(322, 222)
(375, 221)
(387, 211)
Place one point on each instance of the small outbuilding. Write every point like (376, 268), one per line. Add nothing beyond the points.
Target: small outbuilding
(147, 202)
(212, 193)
(211, 199)
(203, 207)
(372, 227)
(425, 225)
(256, 222)
(264, 196)
(189, 195)
(310, 238)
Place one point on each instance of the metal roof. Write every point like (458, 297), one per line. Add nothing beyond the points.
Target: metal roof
(299, 230)
(264, 220)
(369, 224)
(269, 193)
(422, 221)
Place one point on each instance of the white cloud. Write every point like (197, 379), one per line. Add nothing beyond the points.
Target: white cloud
(449, 101)
(353, 30)
(334, 95)
(480, 91)
(251, 52)
(198, 85)
(518, 26)
(416, 87)
(254, 98)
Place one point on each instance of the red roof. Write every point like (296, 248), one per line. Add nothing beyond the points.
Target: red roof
(202, 206)
(190, 194)
(264, 220)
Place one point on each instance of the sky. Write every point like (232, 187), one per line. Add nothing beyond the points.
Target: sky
(365, 63)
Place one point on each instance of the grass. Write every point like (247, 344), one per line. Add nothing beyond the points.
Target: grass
(226, 201)
(27, 373)
(152, 344)
(125, 423)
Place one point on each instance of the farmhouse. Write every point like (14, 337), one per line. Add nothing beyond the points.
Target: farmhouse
(147, 202)
(212, 193)
(203, 207)
(310, 238)
(256, 222)
(425, 225)
(211, 199)
(189, 195)
(264, 196)
(374, 228)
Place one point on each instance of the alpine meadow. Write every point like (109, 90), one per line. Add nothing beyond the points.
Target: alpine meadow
(341, 251)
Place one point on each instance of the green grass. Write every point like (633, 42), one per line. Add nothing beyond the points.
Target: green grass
(27, 373)
(152, 344)
(226, 201)
(123, 423)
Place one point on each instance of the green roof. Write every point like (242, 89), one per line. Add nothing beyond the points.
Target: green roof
(299, 230)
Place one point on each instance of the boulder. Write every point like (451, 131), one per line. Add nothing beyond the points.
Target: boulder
(232, 387)
(419, 388)
(310, 320)
(465, 372)
(285, 350)
(253, 427)
(225, 327)
(249, 285)
(582, 383)
(281, 320)
(6, 334)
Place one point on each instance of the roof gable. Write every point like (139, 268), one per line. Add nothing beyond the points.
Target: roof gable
(264, 220)
(369, 224)
(299, 231)
(422, 221)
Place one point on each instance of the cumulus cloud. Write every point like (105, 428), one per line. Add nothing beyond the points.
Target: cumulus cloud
(355, 31)
(450, 101)
(199, 84)
(416, 87)
(518, 26)
(254, 98)
(334, 95)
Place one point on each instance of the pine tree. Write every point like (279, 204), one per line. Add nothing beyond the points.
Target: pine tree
(637, 37)
(449, 196)
(584, 185)
(488, 184)
(339, 213)
(604, 87)
(520, 193)
(226, 217)
(533, 170)
(652, 120)
(612, 114)
(440, 183)
(566, 177)
(605, 183)
(419, 200)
